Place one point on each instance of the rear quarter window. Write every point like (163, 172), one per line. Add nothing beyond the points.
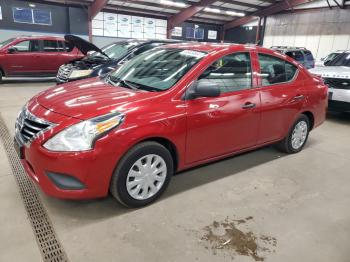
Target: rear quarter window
(275, 70)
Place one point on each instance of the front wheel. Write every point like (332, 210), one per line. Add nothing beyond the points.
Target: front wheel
(142, 175)
(297, 136)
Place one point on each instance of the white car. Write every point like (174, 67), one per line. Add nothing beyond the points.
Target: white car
(328, 58)
(336, 74)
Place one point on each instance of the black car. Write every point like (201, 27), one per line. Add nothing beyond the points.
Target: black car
(99, 62)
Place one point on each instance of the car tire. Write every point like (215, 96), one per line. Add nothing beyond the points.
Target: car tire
(297, 136)
(129, 189)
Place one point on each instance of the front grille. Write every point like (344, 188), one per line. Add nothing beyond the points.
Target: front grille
(337, 83)
(64, 72)
(28, 127)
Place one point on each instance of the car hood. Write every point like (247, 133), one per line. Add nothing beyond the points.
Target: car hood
(332, 71)
(90, 98)
(83, 45)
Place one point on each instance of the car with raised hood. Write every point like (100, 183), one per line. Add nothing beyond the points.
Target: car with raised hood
(98, 62)
(35, 56)
(336, 74)
(166, 110)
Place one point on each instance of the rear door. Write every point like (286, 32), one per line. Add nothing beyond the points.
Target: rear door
(24, 61)
(228, 123)
(281, 91)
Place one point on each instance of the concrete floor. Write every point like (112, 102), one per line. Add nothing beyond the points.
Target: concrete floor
(302, 200)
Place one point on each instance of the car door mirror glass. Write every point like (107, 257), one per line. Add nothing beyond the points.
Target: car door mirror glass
(12, 50)
(204, 88)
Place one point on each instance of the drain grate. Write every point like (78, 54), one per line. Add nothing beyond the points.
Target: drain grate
(50, 248)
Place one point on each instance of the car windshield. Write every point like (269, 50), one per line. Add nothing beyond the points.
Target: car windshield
(116, 50)
(331, 56)
(155, 70)
(6, 42)
(342, 59)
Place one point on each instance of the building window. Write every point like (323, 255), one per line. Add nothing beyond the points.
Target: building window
(31, 16)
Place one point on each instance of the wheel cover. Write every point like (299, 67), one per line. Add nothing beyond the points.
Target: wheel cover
(299, 134)
(146, 177)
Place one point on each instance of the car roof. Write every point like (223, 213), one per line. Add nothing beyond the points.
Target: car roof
(40, 37)
(146, 41)
(213, 47)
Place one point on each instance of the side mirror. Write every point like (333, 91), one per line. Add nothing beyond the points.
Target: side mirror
(12, 50)
(203, 88)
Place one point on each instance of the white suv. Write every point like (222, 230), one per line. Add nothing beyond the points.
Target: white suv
(336, 74)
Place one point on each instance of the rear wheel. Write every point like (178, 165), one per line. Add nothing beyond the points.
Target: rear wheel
(142, 175)
(297, 136)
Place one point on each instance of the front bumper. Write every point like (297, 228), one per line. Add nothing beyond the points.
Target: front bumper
(89, 168)
(69, 175)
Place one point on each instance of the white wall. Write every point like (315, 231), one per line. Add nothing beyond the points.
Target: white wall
(321, 31)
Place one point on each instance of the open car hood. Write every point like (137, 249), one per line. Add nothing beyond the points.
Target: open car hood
(83, 45)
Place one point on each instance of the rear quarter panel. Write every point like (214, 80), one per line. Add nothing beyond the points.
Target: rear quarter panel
(316, 98)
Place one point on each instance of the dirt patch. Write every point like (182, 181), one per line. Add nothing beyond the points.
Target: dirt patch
(226, 236)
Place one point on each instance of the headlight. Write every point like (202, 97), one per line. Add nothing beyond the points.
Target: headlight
(81, 136)
(80, 73)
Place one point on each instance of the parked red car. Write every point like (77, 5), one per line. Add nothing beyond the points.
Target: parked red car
(166, 110)
(35, 56)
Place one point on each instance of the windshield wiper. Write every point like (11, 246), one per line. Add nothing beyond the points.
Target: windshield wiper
(117, 81)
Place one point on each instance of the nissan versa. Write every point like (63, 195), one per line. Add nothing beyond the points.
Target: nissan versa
(168, 109)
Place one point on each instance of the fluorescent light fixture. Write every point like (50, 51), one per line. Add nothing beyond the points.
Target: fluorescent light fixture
(233, 13)
(212, 10)
(32, 5)
(172, 3)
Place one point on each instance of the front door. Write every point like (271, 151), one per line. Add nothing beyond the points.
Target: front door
(24, 61)
(228, 123)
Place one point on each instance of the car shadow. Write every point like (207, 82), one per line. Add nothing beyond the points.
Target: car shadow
(89, 211)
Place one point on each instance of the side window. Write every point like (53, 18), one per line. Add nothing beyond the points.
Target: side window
(69, 47)
(61, 46)
(309, 56)
(27, 46)
(34, 46)
(23, 46)
(232, 72)
(275, 70)
(297, 55)
(50, 46)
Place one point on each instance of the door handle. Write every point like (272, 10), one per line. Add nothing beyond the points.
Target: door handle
(298, 97)
(248, 105)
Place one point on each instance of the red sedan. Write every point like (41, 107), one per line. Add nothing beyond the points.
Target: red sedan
(165, 110)
(35, 56)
